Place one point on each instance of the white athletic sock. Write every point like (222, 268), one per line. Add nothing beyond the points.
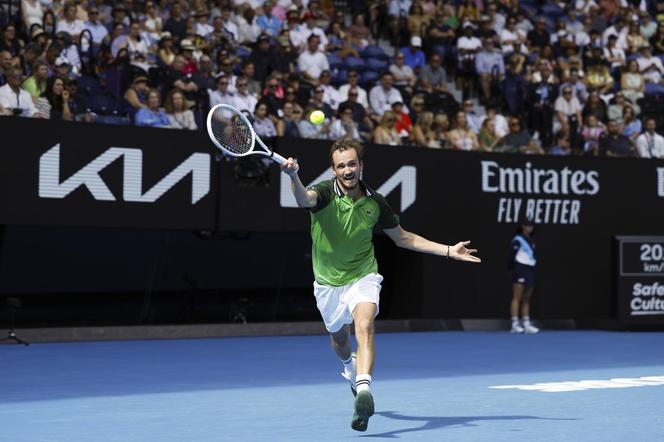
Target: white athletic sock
(348, 365)
(363, 382)
(526, 320)
(515, 320)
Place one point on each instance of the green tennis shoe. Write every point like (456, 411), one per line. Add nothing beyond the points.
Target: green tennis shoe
(364, 409)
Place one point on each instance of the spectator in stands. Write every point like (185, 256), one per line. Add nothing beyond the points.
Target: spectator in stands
(579, 88)
(417, 20)
(561, 145)
(385, 132)
(461, 137)
(615, 110)
(648, 27)
(186, 82)
(403, 125)
(69, 53)
(440, 36)
(317, 102)
(383, 95)
(500, 125)
(490, 69)
(487, 138)
(467, 47)
(331, 95)
(413, 54)
(263, 125)
(353, 83)
(31, 55)
(511, 35)
(218, 37)
(650, 67)
(600, 79)
(631, 126)
(568, 115)
(292, 116)
(165, 52)
(517, 140)
(596, 107)
(360, 114)
(432, 76)
(268, 23)
(152, 115)
(137, 47)
(619, 30)
(468, 11)
(441, 125)
(404, 76)
(14, 100)
(179, 116)
(542, 94)
(312, 61)
(486, 31)
(136, 94)
(309, 130)
(657, 40)
(615, 144)
(634, 38)
(77, 104)
(54, 102)
(472, 118)
(176, 24)
(540, 36)
(32, 13)
(97, 29)
(242, 99)
(591, 133)
(225, 67)
(650, 144)
(613, 54)
(249, 71)
(287, 55)
(71, 25)
(151, 23)
(632, 83)
(416, 106)
(221, 95)
(360, 35)
(36, 83)
(344, 126)
(291, 95)
(202, 27)
(6, 65)
(423, 133)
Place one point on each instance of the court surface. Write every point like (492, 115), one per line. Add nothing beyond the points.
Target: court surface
(428, 386)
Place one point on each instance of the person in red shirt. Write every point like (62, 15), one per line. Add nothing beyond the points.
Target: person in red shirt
(403, 125)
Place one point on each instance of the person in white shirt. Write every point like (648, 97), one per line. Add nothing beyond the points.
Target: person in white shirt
(353, 78)
(242, 99)
(650, 67)
(650, 144)
(344, 126)
(14, 100)
(203, 28)
(499, 121)
(331, 94)
(568, 111)
(511, 35)
(221, 95)
(383, 95)
(71, 25)
(300, 36)
(312, 61)
(618, 29)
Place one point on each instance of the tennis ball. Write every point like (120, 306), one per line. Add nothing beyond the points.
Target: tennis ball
(317, 117)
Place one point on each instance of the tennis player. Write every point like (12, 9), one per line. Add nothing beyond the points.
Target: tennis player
(344, 212)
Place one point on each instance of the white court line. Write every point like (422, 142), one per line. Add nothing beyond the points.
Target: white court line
(558, 387)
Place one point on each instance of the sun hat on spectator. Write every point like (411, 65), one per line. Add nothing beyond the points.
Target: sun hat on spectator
(187, 45)
(416, 41)
(283, 40)
(141, 79)
(165, 36)
(202, 12)
(37, 31)
(61, 61)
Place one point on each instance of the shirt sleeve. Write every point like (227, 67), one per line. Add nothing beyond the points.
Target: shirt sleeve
(387, 219)
(325, 194)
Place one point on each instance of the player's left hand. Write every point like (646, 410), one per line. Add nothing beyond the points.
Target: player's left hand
(460, 252)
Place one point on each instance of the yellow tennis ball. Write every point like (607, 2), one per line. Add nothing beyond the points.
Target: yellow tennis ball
(317, 117)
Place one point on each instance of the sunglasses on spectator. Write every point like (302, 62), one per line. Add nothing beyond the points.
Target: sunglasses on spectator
(515, 124)
(418, 103)
(353, 94)
(223, 83)
(272, 85)
(241, 84)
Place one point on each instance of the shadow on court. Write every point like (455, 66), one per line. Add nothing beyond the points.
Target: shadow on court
(438, 422)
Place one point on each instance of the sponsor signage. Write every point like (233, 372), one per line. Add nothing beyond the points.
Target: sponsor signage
(640, 283)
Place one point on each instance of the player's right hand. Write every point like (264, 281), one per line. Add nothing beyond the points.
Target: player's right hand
(290, 167)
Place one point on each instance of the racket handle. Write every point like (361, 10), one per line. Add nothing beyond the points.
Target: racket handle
(278, 158)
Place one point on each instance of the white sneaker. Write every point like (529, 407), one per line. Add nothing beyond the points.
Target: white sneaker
(530, 328)
(516, 328)
(350, 376)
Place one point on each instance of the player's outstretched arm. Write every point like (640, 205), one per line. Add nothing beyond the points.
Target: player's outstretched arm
(304, 197)
(411, 241)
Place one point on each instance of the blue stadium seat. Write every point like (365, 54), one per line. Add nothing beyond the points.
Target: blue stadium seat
(354, 63)
(104, 104)
(113, 119)
(654, 89)
(89, 85)
(338, 77)
(334, 60)
(374, 51)
(552, 11)
(368, 78)
(375, 64)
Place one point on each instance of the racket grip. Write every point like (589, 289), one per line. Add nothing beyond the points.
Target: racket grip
(277, 158)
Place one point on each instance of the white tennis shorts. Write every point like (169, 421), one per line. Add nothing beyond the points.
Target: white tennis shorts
(336, 304)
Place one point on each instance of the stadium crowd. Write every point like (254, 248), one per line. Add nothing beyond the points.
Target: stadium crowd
(582, 77)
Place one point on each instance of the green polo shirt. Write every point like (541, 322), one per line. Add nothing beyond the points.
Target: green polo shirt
(342, 231)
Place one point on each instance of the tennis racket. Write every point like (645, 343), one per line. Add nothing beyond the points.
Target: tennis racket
(232, 133)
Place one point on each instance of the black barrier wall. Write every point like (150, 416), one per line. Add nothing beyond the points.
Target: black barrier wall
(103, 176)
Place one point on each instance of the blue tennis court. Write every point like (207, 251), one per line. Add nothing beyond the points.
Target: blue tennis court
(427, 386)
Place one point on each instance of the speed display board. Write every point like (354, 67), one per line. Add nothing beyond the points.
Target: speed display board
(640, 279)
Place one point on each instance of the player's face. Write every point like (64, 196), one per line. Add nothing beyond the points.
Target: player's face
(347, 168)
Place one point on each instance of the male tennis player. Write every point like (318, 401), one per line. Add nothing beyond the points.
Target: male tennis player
(344, 212)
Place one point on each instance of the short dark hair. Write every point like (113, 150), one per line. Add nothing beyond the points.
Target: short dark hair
(343, 144)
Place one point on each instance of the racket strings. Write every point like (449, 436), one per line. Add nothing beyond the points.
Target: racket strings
(232, 133)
